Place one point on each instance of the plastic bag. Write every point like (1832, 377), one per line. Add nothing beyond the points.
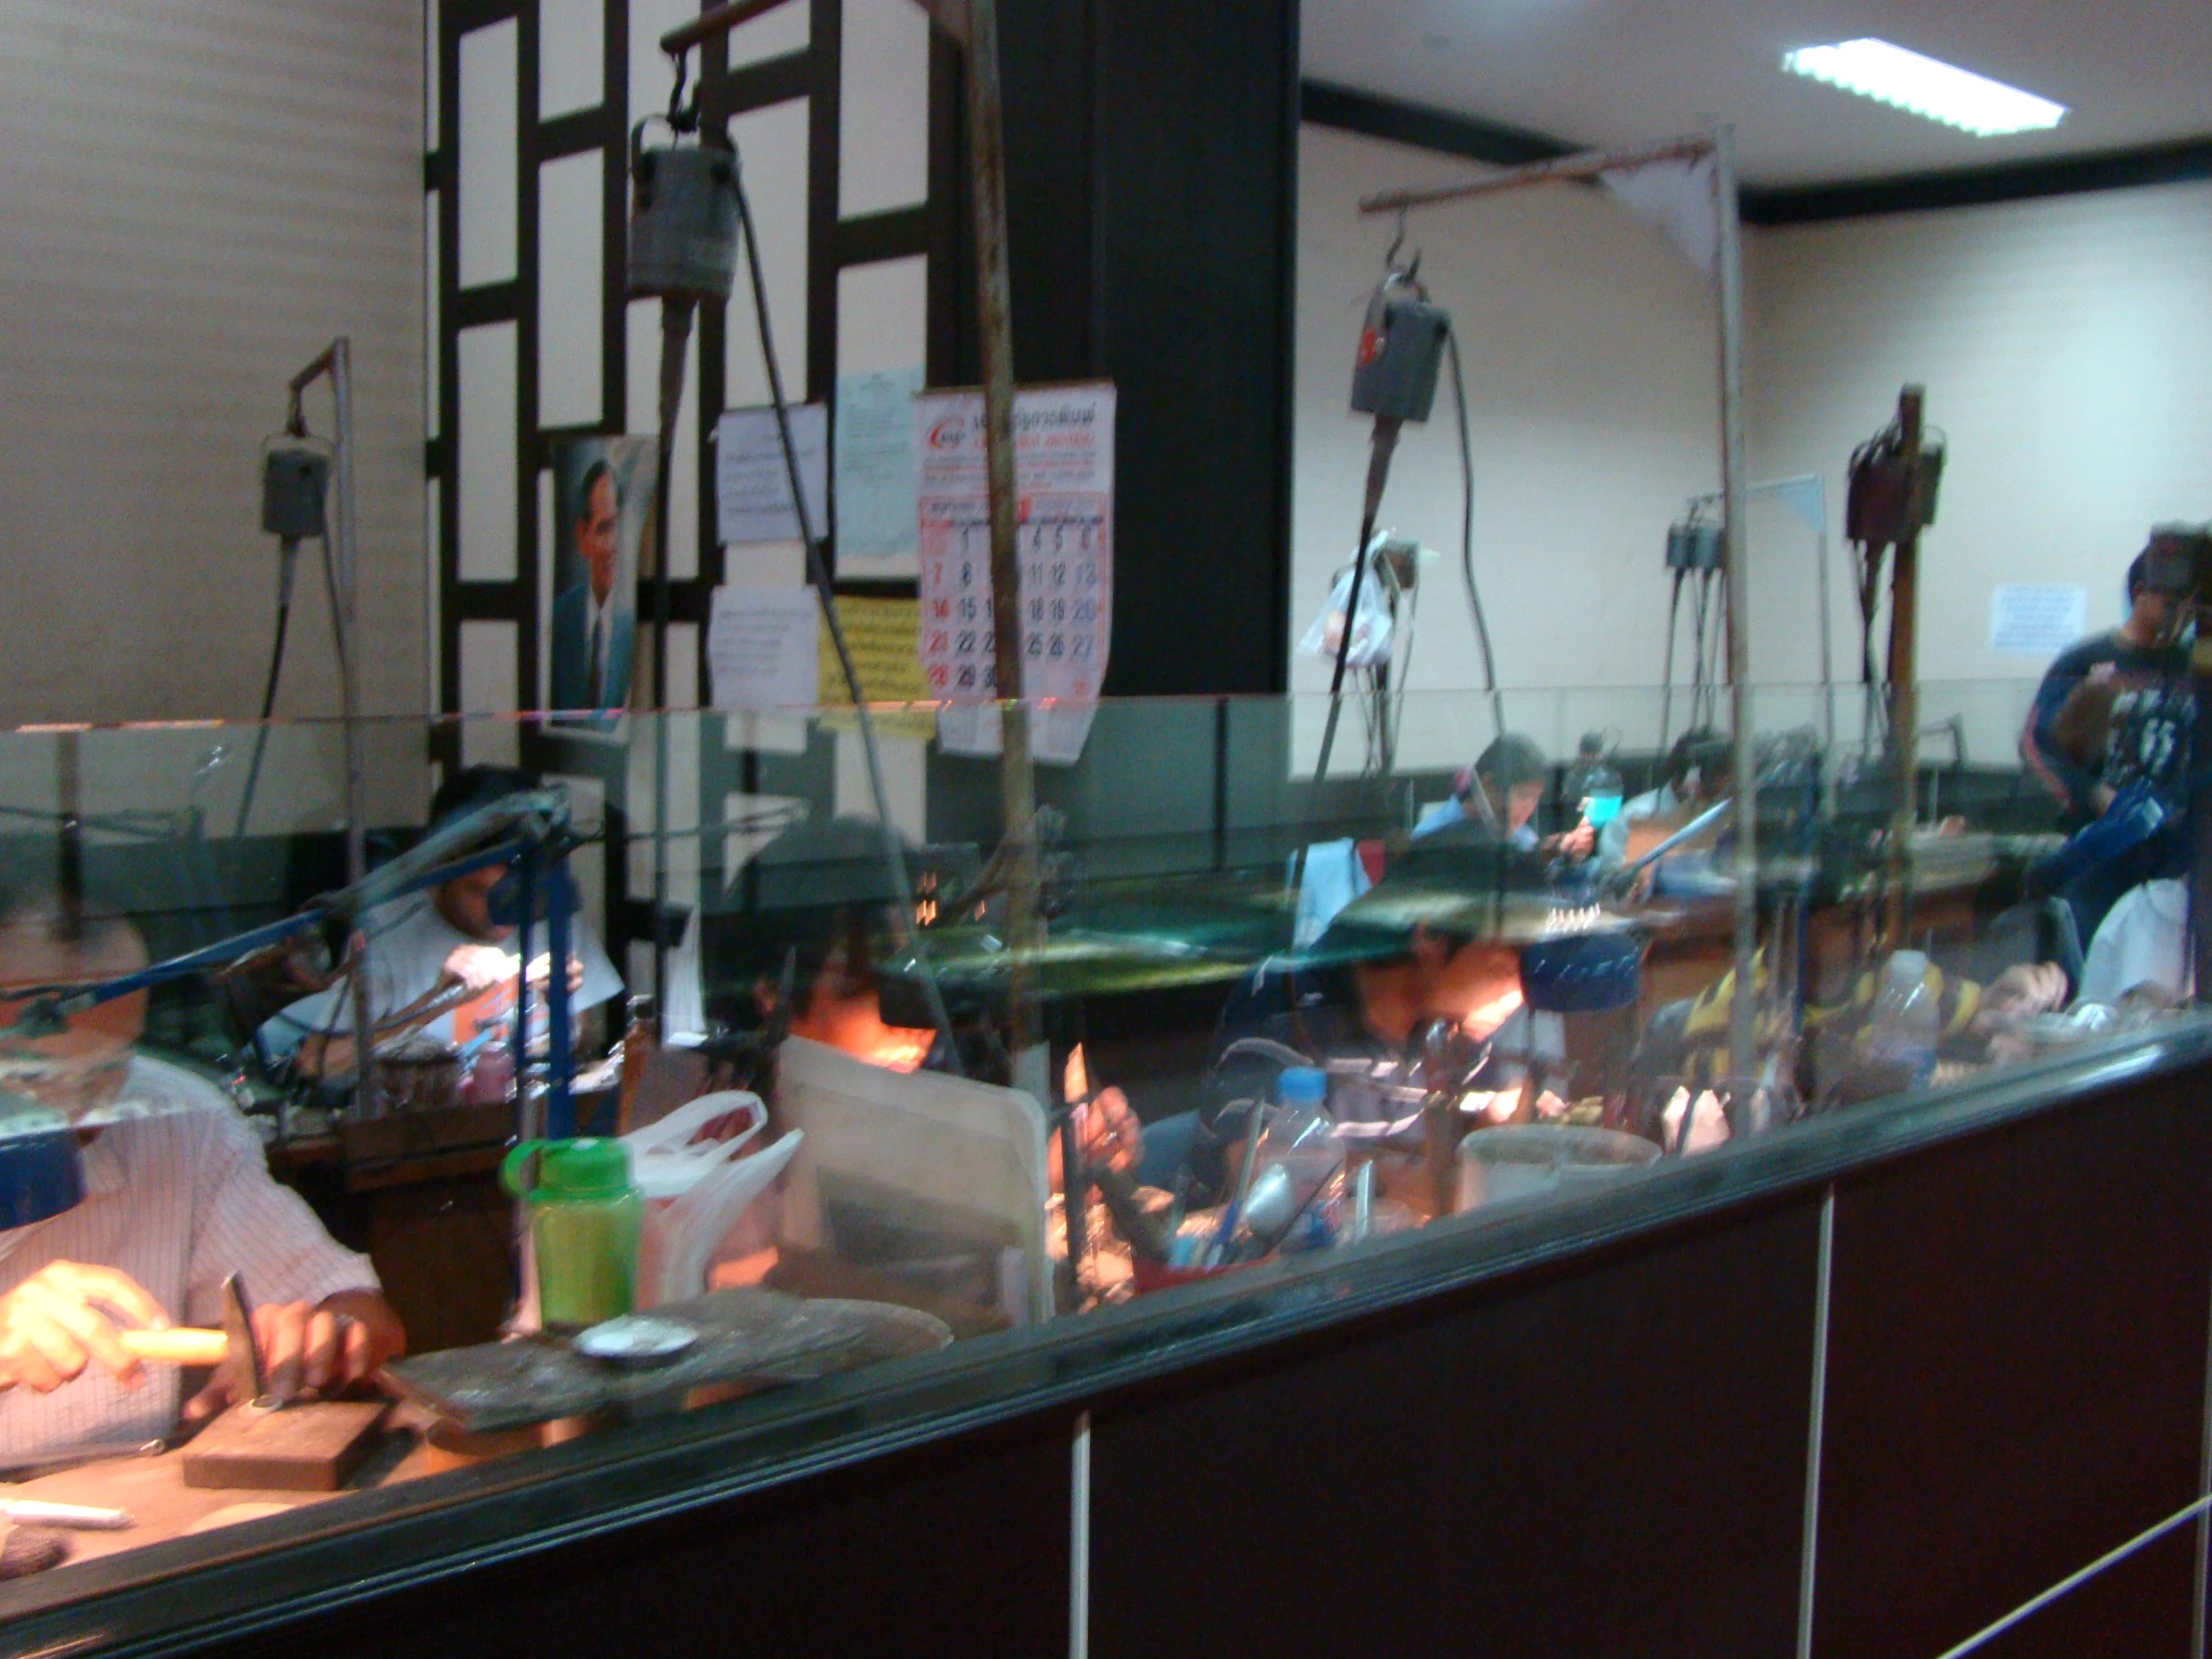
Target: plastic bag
(696, 1191)
(1370, 632)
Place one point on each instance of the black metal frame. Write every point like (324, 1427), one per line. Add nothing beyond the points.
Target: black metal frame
(931, 228)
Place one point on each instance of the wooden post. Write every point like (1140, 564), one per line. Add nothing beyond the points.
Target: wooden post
(1017, 787)
(1902, 674)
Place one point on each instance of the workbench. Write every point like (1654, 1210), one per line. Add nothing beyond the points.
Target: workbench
(162, 1507)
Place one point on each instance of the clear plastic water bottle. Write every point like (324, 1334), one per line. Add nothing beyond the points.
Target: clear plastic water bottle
(1907, 1022)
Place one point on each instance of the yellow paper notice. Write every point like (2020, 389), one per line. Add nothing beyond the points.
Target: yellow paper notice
(883, 636)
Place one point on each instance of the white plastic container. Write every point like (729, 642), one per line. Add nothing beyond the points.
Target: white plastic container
(1499, 1165)
(1907, 1024)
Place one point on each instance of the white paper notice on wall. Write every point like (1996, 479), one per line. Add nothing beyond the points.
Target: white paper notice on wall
(2033, 619)
(753, 493)
(761, 646)
(873, 462)
(1064, 477)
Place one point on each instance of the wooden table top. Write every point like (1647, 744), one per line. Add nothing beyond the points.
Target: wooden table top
(162, 1507)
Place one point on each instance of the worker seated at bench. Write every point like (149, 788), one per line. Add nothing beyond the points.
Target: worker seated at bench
(177, 1197)
(427, 945)
(1687, 1043)
(1699, 773)
(1419, 971)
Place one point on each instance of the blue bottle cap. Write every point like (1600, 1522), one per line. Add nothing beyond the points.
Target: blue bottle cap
(1302, 1086)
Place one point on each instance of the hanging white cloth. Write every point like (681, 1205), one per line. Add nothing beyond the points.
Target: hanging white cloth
(1678, 197)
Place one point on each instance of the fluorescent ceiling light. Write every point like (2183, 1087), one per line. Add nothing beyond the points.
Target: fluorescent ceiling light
(1924, 86)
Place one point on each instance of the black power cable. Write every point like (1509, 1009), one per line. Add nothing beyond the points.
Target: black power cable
(289, 560)
(818, 572)
(1466, 536)
(1384, 441)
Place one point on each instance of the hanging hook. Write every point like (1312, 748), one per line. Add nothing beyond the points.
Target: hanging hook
(1390, 256)
(681, 117)
(1393, 272)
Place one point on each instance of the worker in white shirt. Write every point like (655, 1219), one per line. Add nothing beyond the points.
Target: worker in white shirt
(426, 944)
(2143, 942)
(176, 1196)
(1700, 769)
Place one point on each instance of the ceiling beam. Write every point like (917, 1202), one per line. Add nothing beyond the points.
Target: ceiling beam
(1375, 114)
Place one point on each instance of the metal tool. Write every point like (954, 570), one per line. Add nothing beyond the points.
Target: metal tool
(233, 1349)
(32, 1512)
(99, 1451)
(242, 1370)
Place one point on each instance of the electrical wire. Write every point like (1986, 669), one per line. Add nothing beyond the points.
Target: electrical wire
(287, 562)
(909, 940)
(1466, 536)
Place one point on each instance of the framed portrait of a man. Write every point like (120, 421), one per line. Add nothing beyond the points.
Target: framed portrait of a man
(602, 512)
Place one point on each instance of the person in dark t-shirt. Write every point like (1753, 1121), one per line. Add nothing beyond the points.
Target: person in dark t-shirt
(2115, 709)
(2110, 736)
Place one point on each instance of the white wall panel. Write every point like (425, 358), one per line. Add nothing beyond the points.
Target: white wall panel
(484, 459)
(765, 564)
(487, 169)
(772, 143)
(488, 688)
(883, 106)
(683, 688)
(572, 55)
(571, 256)
(883, 314)
(433, 492)
(431, 12)
(198, 195)
(430, 365)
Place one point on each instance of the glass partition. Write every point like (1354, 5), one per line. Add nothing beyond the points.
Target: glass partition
(1263, 1016)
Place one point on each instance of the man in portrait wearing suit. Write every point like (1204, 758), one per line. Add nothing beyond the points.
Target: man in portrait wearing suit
(592, 624)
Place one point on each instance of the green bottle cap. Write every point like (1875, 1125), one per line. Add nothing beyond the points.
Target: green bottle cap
(579, 1169)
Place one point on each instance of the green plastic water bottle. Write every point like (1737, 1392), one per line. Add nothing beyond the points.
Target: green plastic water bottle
(584, 1220)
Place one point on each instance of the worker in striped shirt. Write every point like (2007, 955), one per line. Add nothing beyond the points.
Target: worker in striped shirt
(177, 1195)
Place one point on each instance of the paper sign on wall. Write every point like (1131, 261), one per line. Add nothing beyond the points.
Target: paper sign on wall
(760, 648)
(1064, 477)
(873, 463)
(2036, 619)
(880, 634)
(752, 492)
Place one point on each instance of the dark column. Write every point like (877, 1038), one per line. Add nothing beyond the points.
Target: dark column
(1151, 181)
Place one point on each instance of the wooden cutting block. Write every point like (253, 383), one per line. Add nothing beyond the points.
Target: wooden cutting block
(301, 1449)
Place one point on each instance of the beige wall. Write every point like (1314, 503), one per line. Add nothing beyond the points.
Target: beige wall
(1590, 367)
(2067, 348)
(196, 196)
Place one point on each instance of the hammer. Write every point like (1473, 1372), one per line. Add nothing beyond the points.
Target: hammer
(231, 1350)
